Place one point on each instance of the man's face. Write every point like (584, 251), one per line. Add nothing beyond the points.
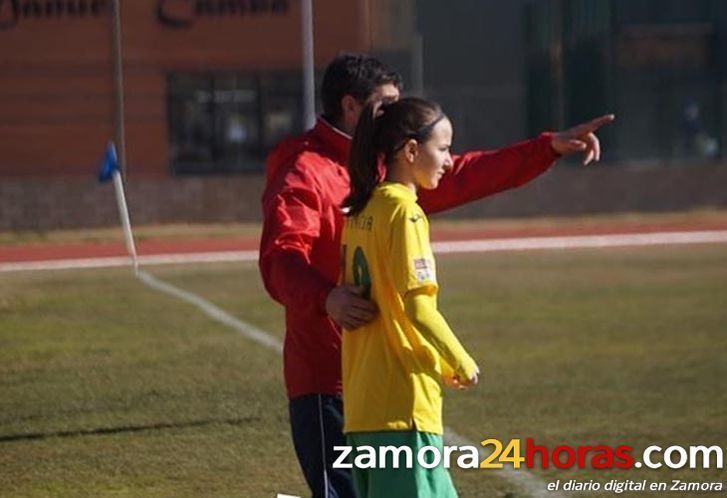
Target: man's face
(383, 94)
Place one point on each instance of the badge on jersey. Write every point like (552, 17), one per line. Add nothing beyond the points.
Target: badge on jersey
(424, 270)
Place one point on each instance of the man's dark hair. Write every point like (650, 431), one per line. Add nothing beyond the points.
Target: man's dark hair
(357, 75)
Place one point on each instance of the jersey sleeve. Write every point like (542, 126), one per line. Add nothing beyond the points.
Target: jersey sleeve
(411, 253)
(421, 308)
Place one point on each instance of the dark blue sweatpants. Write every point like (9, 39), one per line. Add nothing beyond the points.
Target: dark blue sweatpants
(316, 421)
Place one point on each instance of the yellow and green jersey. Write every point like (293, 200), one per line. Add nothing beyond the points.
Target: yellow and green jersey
(391, 373)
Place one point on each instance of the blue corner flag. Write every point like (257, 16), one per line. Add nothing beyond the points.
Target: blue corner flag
(109, 164)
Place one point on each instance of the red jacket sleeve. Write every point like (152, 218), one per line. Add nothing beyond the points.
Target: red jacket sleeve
(291, 214)
(478, 174)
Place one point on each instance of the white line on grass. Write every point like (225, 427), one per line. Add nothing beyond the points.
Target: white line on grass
(482, 245)
(582, 241)
(114, 261)
(212, 311)
(527, 483)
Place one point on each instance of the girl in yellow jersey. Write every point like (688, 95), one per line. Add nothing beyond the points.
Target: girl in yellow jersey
(394, 367)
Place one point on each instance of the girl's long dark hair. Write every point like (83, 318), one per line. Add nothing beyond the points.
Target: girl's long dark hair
(380, 133)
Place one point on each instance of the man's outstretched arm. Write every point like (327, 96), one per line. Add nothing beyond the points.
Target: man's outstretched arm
(478, 174)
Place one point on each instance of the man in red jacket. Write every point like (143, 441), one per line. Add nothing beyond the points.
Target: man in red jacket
(307, 181)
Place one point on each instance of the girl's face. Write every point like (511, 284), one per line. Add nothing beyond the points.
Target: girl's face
(432, 158)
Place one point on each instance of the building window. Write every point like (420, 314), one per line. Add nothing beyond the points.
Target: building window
(228, 122)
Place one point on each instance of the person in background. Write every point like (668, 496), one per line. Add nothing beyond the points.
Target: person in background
(306, 183)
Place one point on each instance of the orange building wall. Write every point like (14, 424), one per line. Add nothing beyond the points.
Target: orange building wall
(56, 76)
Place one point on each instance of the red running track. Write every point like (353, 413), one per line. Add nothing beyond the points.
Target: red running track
(61, 251)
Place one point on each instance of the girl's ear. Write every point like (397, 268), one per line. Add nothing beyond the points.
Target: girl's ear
(411, 149)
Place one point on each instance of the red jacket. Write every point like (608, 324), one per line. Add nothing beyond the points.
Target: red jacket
(307, 181)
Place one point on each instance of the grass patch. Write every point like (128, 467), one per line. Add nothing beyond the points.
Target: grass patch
(112, 389)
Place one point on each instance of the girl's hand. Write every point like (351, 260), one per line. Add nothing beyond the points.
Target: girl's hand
(453, 382)
(474, 379)
(457, 382)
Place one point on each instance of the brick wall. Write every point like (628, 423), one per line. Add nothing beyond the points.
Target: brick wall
(49, 203)
(44, 204)
(57, 86)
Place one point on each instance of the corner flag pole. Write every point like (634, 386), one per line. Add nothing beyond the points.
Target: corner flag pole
(309, 99)
(125, 222)
(119, 86)
(110, 170)
(121, 135)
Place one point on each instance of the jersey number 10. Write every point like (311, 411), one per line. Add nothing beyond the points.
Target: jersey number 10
(361, 275)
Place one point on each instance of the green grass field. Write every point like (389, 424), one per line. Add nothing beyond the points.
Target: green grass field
(109, 388)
